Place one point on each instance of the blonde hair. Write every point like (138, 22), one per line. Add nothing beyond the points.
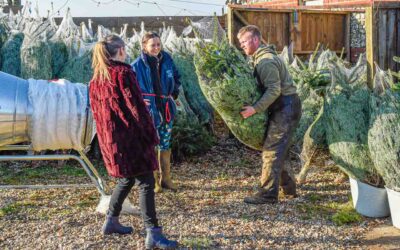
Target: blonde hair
(102, 53)
(254, 30)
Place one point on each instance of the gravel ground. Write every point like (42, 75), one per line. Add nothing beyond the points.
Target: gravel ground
(206, 213)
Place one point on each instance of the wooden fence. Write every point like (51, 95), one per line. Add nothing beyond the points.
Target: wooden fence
(304, 28)
(383, 37)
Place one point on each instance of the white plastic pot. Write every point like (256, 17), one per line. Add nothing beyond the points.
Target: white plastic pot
(394, 203)
(368, 200)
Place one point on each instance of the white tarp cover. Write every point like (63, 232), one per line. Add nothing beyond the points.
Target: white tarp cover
(58, 114)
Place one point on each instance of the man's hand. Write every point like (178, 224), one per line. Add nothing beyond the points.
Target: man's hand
(177, 102)
(247, 111)
(147, 102)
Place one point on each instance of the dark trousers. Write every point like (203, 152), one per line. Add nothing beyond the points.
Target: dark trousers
(146, 197)
(284, 116)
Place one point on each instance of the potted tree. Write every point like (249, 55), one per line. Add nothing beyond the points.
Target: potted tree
(384, 136)
(346, 117)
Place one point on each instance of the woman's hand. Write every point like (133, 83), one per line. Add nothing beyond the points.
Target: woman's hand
(178, 103)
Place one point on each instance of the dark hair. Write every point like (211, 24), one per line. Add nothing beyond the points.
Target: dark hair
(102, 52)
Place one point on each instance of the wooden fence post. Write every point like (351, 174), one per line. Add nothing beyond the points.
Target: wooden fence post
(370, 28)
(230, 23)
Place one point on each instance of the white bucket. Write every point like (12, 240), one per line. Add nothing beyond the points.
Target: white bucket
(394, 203)
(368, 200)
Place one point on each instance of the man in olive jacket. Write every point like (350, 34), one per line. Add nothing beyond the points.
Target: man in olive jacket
(283, 107)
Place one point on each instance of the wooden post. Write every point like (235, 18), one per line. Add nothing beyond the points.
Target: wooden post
(370, 29)
(347, 37)
(230, 23)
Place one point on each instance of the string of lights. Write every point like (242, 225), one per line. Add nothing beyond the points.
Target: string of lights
(137, 3)
(59, 9)
(193, 2)
(164, 5)
(104, 2)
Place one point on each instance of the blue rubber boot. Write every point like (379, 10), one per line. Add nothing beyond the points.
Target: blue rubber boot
(155, 239)
(112, 225)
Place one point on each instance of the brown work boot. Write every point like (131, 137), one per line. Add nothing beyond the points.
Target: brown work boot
(289, 190)
(165, 163)
(259, 198)
(287, 184)
(157, 186)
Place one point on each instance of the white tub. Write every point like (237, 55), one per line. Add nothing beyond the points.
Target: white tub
(394, 203)
(368, 200)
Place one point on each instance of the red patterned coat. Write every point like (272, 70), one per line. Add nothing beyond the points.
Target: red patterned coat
(125, 130)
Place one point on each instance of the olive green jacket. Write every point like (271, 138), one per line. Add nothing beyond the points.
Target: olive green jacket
(272, 75)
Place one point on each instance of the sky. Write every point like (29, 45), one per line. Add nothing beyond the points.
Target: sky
(86, 8)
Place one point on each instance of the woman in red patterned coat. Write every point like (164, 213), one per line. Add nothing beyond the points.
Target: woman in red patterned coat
(127, 138)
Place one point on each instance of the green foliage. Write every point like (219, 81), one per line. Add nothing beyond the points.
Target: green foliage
(227, 82)
(192, 90)
(11, 54)
(339, 213)
(78, 69)
(59, 53)
(36, 59)
(314, 138)
(396, 75)
(3, 32)
(189, 137)
(346, 116)
(197, 242)
(133, 50)
(346, 214)
(310, 108)
(15, 208)
(311, 79)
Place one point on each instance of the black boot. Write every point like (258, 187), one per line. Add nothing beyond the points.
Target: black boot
(259, 198)
(289, 189)
(112, 225)
(155, 239)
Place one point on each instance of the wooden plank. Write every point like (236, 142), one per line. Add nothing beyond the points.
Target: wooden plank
(347, 37)
(398, 38)
(391, 43)
(298, 42)
(382, 36)
(286, 31)
(370, 43)
(230, 23)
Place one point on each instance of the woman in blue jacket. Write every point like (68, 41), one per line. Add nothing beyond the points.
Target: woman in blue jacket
(159, 83)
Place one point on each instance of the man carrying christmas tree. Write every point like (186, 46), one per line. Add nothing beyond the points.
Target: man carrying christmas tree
(283, 107)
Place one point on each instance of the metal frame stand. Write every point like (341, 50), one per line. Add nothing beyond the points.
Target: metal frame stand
(83, 160)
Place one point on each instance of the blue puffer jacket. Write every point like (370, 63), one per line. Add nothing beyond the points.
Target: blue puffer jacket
(169, 83)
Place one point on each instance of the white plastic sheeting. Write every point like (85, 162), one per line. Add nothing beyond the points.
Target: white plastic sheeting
(58, 114)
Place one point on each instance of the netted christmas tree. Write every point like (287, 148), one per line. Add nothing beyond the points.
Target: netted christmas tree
(346, 116)
(189, 137)
(36, 58)
(59, 56)
(227, 82)
(311, 79)
(79, 69)
(384, 132)
(192, 90)
(11, 54)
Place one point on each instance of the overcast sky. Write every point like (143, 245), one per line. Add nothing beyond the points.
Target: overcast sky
(84, 8)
